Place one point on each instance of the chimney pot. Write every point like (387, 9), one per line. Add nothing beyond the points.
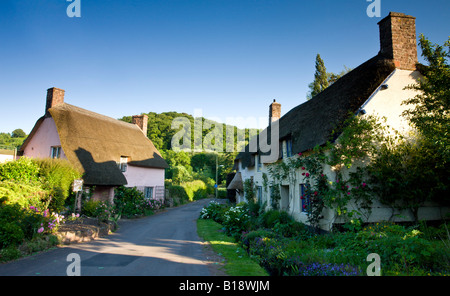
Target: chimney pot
(141, 121)
(55, 97)
(274, 111)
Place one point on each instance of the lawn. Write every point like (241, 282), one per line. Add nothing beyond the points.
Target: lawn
(238, 263)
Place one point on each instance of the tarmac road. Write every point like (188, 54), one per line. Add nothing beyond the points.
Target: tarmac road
(164, 244)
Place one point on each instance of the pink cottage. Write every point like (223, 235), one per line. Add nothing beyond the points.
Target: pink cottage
(108, 151)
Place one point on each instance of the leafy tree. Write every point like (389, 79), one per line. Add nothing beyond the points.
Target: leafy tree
(416, 169)
(431, 112)
(18, 133)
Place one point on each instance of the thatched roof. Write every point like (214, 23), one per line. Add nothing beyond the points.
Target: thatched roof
(94, 144)
(311, 123)
(236, 183)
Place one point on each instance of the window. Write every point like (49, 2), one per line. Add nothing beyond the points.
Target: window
(55, 152)
(289, 148)
(123, 164)
(304, 197)
(259, 194)
(148, 192)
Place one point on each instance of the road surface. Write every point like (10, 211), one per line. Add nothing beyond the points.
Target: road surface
(165, 244)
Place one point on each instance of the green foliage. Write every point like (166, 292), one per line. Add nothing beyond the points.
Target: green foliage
(189, 166)
(431, 107)
(214, 211)
(12, 141)
(18, 224)
(129, 202)
(24, 170)
(249, 190)
(320, 78)
(57, 173)
(18, 133)
(177, 191)
(23, 194)
(37, 182)
(235, 221)
(195, 189)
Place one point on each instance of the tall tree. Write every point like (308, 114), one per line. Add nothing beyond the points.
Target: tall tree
(320, 78)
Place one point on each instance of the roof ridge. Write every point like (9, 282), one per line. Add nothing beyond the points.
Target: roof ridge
(70, 107)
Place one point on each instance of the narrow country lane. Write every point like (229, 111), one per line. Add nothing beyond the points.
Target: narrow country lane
(165, 244)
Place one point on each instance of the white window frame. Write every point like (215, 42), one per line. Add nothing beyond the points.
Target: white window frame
(123, 164)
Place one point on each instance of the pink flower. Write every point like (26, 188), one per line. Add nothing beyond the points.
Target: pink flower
(363, 184)
(40, 230)
(348, 193)
(300, 154)
(303, 174)
(303, 168)
(315, 192)
(307, 174)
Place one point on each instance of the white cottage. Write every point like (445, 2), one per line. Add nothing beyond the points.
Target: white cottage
(375, 87)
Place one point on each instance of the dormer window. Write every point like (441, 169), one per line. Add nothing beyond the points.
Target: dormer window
(123, 164)
(287, 148)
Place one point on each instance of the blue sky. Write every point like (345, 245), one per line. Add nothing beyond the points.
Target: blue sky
(229, 58)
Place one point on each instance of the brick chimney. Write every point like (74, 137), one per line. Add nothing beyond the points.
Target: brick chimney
(55, 96)
(141, 121)
(274, 111)
(398, 40)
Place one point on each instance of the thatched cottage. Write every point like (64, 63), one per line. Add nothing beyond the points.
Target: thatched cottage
(375, 87)
(108, 151)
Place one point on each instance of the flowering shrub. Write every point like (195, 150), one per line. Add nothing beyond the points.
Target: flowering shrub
(155, 204)
(130, 202)
(236, 220)
(18, 224)
(214, 211)
(284, 247)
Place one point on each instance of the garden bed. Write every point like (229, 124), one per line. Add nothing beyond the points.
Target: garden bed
(83, 230)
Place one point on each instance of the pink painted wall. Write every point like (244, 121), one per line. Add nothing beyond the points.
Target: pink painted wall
(144, 177)
(45, 137)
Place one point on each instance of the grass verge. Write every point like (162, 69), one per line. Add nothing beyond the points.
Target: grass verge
(238, 263)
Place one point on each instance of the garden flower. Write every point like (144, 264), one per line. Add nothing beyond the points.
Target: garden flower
(307, 174)
(303, 168)
(363, 184)
(40, 230)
